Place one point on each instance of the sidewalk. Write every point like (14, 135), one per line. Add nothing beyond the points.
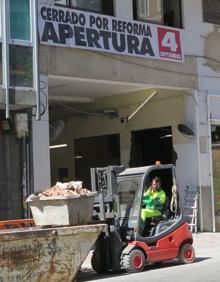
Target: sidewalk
(206, 240)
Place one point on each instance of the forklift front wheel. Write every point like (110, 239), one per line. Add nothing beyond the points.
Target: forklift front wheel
(98, 264)
(134, 261)
(186, 253)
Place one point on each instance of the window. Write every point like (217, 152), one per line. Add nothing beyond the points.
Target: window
(1, 63)
(1, 43)
(21, 66)
(164, 12)
(215, 129)
(90, 5)
(159, 5)
(20, 44)
(0, 19)
(143, 9)
(97, 6)
(211, 11)
(20, 19)
(62, 2)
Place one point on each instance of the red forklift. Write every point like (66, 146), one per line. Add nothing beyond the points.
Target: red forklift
(119, 204)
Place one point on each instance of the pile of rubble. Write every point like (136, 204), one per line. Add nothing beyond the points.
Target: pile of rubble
(73, 188)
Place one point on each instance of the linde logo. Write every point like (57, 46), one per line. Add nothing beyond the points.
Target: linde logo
(76, 29)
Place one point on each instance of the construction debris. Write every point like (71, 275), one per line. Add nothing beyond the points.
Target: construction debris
(72, 188)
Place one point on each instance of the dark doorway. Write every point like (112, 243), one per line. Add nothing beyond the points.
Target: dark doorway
(11, 160)
(97, 151)
(151, 145)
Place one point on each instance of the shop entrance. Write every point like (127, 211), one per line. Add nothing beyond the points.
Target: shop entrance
(97, 151)
(151, 145)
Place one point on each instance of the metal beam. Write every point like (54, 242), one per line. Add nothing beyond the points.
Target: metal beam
(141, 106)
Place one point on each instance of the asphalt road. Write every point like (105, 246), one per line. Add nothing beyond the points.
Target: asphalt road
(206, 268)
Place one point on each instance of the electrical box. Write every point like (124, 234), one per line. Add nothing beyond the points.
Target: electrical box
(21, 124)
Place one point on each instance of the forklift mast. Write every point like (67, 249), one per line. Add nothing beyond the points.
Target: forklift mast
(104, 182)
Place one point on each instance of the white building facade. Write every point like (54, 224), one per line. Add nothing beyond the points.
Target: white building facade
(127, 82)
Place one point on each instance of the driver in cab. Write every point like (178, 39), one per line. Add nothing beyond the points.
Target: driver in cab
(153, 201)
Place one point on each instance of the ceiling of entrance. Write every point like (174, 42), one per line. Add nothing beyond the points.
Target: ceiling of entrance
(71, 96)
(86, 90)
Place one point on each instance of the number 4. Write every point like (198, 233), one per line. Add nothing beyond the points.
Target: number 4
(169, 41)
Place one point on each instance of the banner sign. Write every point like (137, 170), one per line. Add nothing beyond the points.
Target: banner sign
(79, 29)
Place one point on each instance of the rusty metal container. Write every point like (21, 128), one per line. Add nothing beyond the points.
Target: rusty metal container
(62, 210)
(45, 254)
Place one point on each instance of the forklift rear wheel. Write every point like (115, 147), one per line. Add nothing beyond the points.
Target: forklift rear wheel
(134, 261)
(187, 254)
(98, 265)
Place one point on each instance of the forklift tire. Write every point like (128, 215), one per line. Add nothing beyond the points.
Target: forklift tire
(98, 265)
(186, 254)
(134, 261)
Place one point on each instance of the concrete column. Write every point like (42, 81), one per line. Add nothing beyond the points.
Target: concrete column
(205, 163)
(194, 167)
(40, 132)
(185, 147)
(124, 9)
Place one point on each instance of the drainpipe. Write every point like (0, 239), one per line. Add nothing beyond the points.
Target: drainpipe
(5, 47)
(211, 166)
(36, 57)
(195, 93)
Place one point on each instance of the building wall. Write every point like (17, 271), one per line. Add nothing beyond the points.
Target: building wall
(68, 62)
(198, 75)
